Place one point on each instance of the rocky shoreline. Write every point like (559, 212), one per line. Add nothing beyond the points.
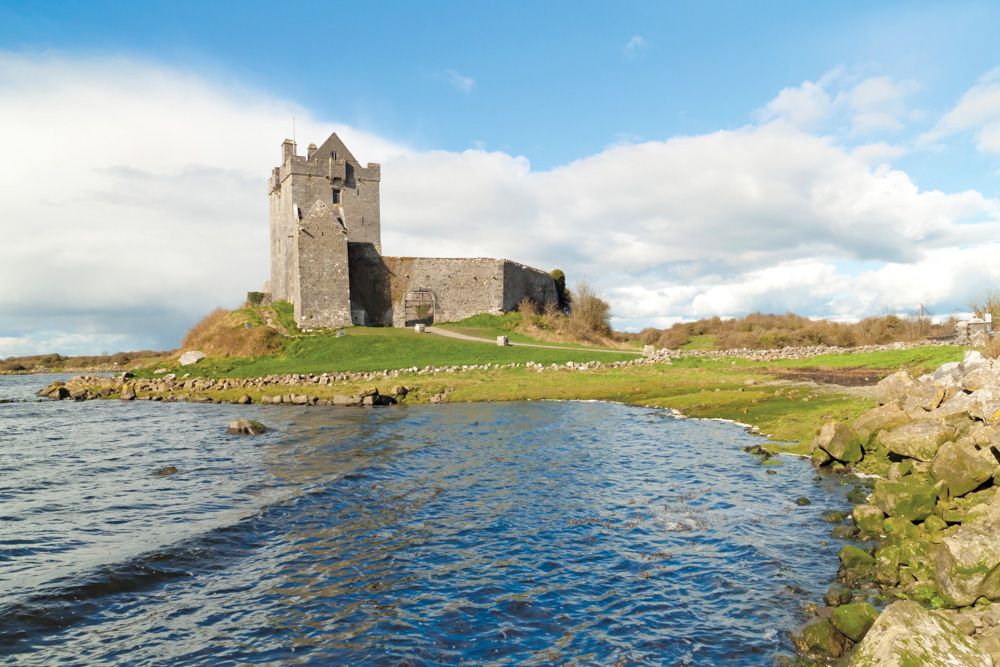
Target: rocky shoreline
(929, 534)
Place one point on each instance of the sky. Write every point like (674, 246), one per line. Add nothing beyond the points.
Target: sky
(687, 159)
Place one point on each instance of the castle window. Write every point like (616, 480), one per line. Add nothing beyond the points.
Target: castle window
(336, 196)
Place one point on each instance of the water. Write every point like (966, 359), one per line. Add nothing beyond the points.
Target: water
(544, 533)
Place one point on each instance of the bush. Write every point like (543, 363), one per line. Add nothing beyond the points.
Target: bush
(590, 314)
(987, 302)
(255, 298)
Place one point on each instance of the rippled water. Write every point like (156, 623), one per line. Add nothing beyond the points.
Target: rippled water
(488, 534)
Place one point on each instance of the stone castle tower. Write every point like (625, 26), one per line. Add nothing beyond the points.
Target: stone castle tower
(319, 204)
(326, 254)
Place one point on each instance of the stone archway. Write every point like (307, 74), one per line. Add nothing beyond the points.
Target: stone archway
(418, 308)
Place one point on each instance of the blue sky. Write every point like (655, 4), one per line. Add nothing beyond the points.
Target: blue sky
(689, 158)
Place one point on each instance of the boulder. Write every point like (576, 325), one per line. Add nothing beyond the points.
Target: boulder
(244, 399)
(954, 410)
(340, 399)
(56, 393)
(917, 440)
(984, 405)
(891, 390)
(923, 396)
(245, 427)
(821, 637)
(962, 467)
(887, 565)
(839, 441)
(982, 377)
(973, 359)
(882, 418)
(868, 519)
(906, 634)
(967, 563)
(909, 498)
(837, 595)
(128, 393)
(192, 357)
(852, 556)
(169, 470)
(950, 371)
(854, 620)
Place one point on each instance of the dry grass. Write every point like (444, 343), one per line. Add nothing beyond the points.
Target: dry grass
(224, 333)
(992, 347)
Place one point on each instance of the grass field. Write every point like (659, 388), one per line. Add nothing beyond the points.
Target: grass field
(374, 349)
(788, 410)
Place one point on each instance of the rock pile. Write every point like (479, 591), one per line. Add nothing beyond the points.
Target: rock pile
(934, 446)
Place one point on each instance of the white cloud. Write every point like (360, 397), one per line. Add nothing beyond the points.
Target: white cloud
(804, 106)
(634, 46)
(875, 104)
(463, 83)
(130, 186)
(137, 203)
(978, 109)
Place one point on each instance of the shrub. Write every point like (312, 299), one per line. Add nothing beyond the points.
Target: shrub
(255, 298)
(590, 314)
(562, 294)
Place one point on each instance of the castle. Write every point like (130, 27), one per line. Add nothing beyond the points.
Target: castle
(326, 254)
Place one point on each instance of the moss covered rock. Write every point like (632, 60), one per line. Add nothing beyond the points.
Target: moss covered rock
(839, 441)
(868, 518)
(918, 440)
(887, 565)
(853, 620)
(906, 634)
(962, 467)
(822, 638)
(882, 418)
(967, 563)
(908, 498)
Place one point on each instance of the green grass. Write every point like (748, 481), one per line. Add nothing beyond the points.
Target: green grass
(284, 314)
(370, 349)
(917, 360)
(491, 326)
(704, 342)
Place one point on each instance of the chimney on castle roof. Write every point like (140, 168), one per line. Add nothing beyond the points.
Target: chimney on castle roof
(287, 150)
(311, 150)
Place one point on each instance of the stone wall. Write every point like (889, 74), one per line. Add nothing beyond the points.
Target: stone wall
(521, 281)
(321, 295)
(460, 287)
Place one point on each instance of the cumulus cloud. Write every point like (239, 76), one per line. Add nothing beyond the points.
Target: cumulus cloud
(137, 203)
(839, 98)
